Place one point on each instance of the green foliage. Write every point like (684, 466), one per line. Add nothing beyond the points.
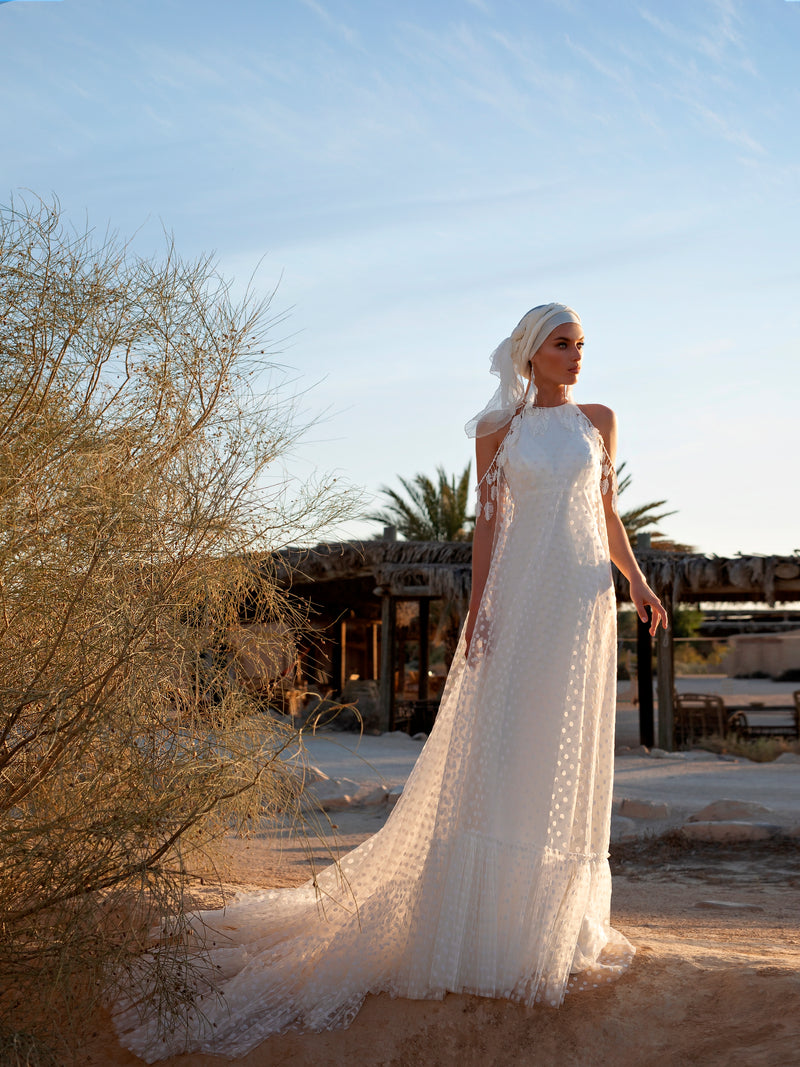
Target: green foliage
(645, 517)
(433, 511)
(438, 510)
(685, 622)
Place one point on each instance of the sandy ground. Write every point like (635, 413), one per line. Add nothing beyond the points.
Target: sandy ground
(716, 978)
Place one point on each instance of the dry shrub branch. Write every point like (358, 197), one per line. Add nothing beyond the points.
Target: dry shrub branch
(138, 511)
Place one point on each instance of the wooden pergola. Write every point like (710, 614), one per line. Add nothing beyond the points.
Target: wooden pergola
(691, 578)
(359, 585)
(357, 588)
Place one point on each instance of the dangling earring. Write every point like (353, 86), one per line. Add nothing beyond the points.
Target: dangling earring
(532, 391)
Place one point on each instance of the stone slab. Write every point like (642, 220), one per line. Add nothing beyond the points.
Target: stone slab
(729, 831)
(727, 905)
(633, 808)
(725, 810)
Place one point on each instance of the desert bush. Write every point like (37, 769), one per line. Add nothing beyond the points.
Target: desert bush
(138, 508)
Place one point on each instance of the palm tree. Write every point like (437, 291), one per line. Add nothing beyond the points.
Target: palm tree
(646, 518)
(432, 512)
(438, 512)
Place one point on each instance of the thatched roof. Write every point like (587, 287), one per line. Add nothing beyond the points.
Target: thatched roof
(401, 568)
(691, 578)
(410, 569)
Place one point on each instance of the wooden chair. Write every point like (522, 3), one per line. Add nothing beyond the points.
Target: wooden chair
(699, 715)
(739, 724)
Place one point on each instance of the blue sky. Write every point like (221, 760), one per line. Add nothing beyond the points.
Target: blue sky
(416, 175)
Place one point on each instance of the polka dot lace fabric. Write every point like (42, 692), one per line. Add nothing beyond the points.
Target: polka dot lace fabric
(491, 875)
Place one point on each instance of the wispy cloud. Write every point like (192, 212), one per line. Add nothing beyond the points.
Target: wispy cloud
(460, 62)
(725, 129)
(181, 70)
(347, 33)
(717, 36)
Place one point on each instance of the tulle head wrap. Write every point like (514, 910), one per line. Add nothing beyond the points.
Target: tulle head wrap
(511, 363)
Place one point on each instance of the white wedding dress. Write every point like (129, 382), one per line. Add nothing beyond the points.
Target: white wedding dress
(491, 875)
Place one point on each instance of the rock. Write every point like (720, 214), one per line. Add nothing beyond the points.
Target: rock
(371, 795)
(335, 794)
(394, 795)
(420, 737)
(788, 757)
(726, 905)
(361, 694)
(725, 810)
(643, 809)
(321, 713)
(658, 753)
(729, 831)
(314, 774)
(623, 829)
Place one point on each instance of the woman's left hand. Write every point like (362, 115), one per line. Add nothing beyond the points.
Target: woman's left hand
(643, 597)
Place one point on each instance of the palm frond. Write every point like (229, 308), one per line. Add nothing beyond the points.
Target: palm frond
(430, 510)
(645, 517)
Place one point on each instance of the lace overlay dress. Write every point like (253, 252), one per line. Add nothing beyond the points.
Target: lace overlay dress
(491, 875)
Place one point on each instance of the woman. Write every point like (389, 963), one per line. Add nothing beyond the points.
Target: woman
(491, 875)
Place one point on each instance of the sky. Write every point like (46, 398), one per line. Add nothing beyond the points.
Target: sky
(414, 175)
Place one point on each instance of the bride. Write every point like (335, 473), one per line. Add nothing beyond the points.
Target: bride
(491, 875)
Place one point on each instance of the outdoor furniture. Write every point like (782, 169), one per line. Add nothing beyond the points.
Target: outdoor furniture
(698, 715)
(740, 724)
(414, 716)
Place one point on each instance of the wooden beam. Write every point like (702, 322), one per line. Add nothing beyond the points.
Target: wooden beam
(424, 619)
(343, 674)
(337, 657)
(375, 655)
(665, 660)
(644, 682)
(386, 687)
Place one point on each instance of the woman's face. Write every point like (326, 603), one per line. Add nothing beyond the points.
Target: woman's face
(558, 359)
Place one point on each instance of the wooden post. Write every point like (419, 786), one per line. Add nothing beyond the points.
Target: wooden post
(644, 665)
(424, 617)
(343, 676)
(666, 678)
(337, 657)
(375, 656)
(644, 682)
(386, 688)
(400, 634)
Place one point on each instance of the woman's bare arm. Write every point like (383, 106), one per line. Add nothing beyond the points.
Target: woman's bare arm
(486, 448)
(618, 545)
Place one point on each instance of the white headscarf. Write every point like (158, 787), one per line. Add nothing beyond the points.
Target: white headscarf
(510, 362)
